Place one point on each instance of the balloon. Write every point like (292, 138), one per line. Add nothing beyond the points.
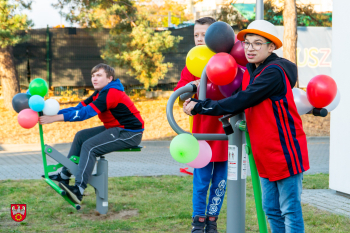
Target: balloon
(36, 103)
(321, 91)
(204, 156)
(228, 89)
(301, 101)
(38, 87)
(213, 92)
(334, 103)
(184, 148)
(242, 67)
(51, 107)
(220, 37)
(197, 58)
(20, 102)
(221, 69)
(27, 118)
(28, 92)
(238, 54)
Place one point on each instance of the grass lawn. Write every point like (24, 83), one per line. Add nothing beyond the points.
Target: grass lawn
(136, 204)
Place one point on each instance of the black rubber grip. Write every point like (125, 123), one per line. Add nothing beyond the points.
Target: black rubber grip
(228, 130)
(322, 112)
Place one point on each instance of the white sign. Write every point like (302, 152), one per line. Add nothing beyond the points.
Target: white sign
(244, 162)
(232, 172)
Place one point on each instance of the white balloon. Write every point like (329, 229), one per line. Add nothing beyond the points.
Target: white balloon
(334, 103)
(301, 101)
(51, 107)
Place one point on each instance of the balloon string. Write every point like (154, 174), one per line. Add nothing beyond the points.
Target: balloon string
(184, 170)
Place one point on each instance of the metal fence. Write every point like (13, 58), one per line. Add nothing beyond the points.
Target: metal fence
(64, 57)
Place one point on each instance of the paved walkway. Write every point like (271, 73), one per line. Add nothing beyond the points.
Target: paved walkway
(155, 159)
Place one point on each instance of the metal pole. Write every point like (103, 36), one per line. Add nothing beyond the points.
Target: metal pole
(169, 19)
(236, 183)
(259, 10)
(48, 56)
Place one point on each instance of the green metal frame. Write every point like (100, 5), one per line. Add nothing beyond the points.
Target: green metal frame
(48, 169)
(255, 180)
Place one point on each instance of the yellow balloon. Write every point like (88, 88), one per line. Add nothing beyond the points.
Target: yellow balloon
(197, 58)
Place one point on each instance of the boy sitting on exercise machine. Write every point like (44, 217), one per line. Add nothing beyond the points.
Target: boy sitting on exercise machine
(123, 127)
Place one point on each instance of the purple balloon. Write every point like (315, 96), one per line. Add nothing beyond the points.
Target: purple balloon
(228, 89)
(213, 92)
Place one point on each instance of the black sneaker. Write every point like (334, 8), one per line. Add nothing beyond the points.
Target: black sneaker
(57, 177)
(73, 192)
(198, 224)
(212, 226)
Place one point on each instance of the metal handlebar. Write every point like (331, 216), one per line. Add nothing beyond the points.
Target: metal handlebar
(176, 127)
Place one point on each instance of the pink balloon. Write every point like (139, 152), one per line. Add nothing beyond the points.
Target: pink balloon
(238, 54)
(228, 89)
(203, 157)
(213, 91)
(27, 118)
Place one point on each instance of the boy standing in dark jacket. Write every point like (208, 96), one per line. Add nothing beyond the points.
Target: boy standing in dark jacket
(123, 127)
(275, 128)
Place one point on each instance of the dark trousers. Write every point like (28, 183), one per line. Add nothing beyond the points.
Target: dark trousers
(94, 142)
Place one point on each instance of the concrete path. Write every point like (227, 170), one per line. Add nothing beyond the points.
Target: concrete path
(25, 162)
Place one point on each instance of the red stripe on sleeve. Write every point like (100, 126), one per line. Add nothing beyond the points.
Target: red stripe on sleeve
(95, 108)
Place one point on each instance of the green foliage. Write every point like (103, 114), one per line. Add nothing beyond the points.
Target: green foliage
(306, 16)
(11, 22)
(132, 43)
(141, 53)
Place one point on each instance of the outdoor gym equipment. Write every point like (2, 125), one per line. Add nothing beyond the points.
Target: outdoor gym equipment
(239, 146)
(99, 180)
(238, 149)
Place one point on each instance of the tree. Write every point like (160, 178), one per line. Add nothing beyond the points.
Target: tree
(141, 53)
(11, 23)
(156, 12)
(290, 35)
(132, 43)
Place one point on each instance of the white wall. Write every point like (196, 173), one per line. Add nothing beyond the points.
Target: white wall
(339, 164)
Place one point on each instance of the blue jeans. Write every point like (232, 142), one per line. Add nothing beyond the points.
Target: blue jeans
(282, 204)
(216, 172)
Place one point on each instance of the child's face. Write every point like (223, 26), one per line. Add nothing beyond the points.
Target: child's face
(99, 79)
(199, 33)
(258, 50)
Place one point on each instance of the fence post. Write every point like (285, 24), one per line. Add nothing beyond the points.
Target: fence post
(48, 56)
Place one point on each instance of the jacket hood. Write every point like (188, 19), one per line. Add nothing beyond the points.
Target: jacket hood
(116, 84)
(289, 67)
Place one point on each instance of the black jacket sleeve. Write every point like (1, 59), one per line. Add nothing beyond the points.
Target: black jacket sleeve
(268, 84)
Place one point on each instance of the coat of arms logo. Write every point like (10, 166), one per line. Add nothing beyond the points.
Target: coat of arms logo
(18, 212)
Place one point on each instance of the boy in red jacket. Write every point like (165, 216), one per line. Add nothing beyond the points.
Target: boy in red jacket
(205, 215)
(278, 140)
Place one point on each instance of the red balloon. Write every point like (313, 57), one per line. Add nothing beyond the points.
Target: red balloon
(27, 118)
(321, 91)
(213, 92)
(238, 54)
(221, 69)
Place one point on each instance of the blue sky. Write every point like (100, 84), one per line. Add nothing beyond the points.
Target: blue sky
(43, 14)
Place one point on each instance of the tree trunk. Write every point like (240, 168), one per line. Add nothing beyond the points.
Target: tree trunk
(290, 35)
(8, 75)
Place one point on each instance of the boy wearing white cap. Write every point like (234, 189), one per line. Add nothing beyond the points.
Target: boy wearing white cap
(275, 128)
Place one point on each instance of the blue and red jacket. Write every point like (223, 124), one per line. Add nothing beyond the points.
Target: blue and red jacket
(275, 128)
(113, 107)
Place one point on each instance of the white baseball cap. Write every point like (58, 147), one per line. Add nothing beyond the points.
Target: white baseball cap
(262, 28)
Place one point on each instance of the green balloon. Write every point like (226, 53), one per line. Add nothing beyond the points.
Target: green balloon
(38, 87)
(184, 148)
